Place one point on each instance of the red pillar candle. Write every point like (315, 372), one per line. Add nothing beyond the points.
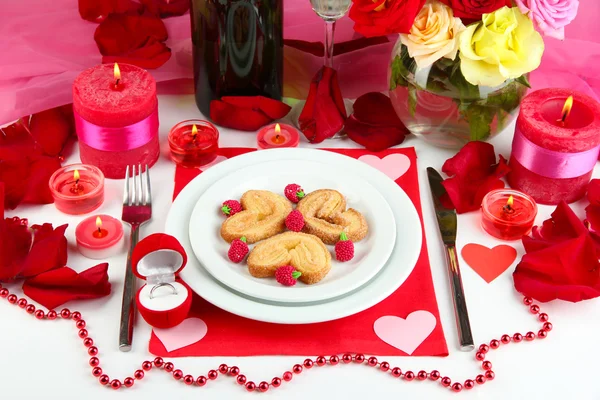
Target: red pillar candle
(507, 214)
(194, 143)
(77, 188)
(116, 115)
(554, 151)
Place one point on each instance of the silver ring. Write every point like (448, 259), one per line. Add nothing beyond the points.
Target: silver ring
(162, 285)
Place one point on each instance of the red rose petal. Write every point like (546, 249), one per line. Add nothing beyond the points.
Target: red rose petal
(51, 129)
(374, 137)
(98, 10)
(241, 118)
(273, 109)
(40, 171)
(568, 271)
(54, 288)
(133, 38)
(474, 173)
(15, 242)
(49, 250)
(395, 17)
(166, 8)
(376, 108)
(324, 112)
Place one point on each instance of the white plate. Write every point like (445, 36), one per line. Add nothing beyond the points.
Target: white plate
(398, 268)
(371, 253)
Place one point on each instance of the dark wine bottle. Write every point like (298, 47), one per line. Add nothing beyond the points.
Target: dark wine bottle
(237, 49)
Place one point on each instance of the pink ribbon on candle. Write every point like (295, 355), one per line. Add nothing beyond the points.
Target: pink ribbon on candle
(550, 163)
(117, 139)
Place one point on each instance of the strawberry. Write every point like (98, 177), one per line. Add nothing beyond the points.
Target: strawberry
(231, 207)
(295, 221)
(344, 249)
(294, 192)
(238, 250)
(287, 275)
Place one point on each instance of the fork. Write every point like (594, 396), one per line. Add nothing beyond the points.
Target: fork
(137, 209)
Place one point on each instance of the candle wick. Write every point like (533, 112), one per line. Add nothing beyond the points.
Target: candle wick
(277, 136)
(117, 82)
(99, 230)
(508, 209)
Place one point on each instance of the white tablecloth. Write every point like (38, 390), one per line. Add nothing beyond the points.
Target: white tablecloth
(46, 360)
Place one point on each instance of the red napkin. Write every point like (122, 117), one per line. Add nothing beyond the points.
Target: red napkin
(231, 335)
(324, 112)
(54, 288)
(246, 113)
(374, 123)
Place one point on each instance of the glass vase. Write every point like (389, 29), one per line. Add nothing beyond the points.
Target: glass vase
(439, 106)
(237, 49)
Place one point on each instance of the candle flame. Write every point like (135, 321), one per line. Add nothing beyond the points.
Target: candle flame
(98, 223)
(510, 201)
(117, 73)
(566, 109)
(76, 175)
(194, 130)
(277, 129)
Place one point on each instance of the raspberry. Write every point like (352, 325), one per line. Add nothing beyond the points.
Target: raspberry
(294, 192)
(238, 250)
(295, 221)
(231, 207)
(287, 275)
(344, 249)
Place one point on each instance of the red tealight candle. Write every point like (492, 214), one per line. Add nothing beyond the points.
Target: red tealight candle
(508, 214)
(555, 146)
(99, 237)
(77, 188)
(277, 135)
(194, 143)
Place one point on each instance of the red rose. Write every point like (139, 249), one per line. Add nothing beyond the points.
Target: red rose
(473, 9)
(384, 17)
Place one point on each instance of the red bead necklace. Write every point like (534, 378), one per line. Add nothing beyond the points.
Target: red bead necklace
(287, 376)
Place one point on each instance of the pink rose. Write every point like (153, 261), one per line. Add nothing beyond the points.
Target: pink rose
(550, 16)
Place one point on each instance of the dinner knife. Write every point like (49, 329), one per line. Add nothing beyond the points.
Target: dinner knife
(446, 219)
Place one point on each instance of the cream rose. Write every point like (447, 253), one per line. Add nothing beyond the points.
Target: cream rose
(433, 34)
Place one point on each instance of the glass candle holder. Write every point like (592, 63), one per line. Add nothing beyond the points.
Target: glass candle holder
(508, 214)
(194, 143)
(77, 188)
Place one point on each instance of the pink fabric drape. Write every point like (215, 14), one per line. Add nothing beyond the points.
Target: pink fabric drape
(44, 45)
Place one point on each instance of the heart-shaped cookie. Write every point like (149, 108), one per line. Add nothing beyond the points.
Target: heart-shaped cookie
(306, 253)
(325, 216)
(263, 216)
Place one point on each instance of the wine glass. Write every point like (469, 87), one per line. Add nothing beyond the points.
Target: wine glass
(330, 11)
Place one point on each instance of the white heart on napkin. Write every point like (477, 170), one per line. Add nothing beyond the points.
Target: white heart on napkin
(190, 331)
(393, 165)
(405, 334)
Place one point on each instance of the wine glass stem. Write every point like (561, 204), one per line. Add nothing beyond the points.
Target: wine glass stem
(329, 31)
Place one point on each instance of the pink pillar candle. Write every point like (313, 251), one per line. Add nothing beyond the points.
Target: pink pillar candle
(194, 143)
(553, 160)
(276, 136)
(99, 237)
(116, 116)
(77, 188)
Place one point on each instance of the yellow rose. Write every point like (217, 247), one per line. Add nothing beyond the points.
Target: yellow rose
(504, 45)
(433, 35)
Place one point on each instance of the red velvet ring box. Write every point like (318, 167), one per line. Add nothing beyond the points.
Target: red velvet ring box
(163, 302)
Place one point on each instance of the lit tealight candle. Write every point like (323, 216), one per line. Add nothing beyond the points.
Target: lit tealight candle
(508, 214)
(194, 143)
(277, 135)
(99, 237)
(77, 188)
